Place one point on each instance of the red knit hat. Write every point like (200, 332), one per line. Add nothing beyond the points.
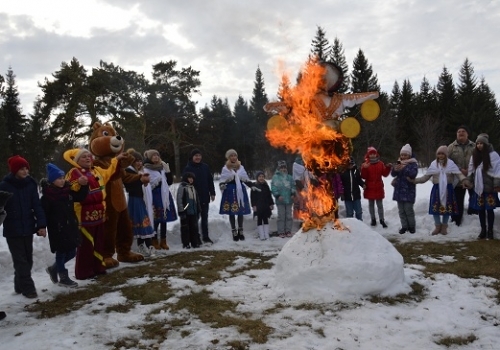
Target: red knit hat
(17, 162)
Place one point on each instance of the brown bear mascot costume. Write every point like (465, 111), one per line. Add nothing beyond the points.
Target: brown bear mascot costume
(105, 144)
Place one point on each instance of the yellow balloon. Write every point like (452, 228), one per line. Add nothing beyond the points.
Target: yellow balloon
(277, 122)
(370, 110)
(350, 127)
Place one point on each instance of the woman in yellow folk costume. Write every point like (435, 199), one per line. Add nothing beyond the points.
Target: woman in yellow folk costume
(90, 212)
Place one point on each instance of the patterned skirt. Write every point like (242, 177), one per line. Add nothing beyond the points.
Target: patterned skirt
(435, 207)
(140, 220)
(485, 201)
(229, 203)
(159, 213)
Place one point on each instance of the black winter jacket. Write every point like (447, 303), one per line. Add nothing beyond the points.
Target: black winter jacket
(203, 182)
(352, 181)
(25, 215)
(62, 223)
(262, 200)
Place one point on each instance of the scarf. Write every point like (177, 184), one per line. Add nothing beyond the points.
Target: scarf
(156, 178)
(152, 166)
(478, 177)
(239, 175)
(373, 160)
(437, 168)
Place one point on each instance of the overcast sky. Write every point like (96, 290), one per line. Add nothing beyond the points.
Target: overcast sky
(227, 40)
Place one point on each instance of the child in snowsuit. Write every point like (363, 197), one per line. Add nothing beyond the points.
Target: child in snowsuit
(404, 190)
(189, 211)
(262, 204)
(62, 223)
(372, 171)
(283, 189)
(25, 217)
(352, 181)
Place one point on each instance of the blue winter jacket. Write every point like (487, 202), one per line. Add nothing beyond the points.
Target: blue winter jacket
(25, 215)
(283, 185)
(203, 182)
(404, 191)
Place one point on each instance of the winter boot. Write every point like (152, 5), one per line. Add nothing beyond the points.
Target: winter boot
(403, 230)
(262, 236)
(437, 230)
(2, 315)
(444, 229)
(236, 237)
(374, 222)
(382, 222)
(482, 235)
(240, 234)
(490, 233)
(144, 251)
(154, 243)
(65, 281)
(163, 244)
(266, 231)
(52, 271)
(412, 229)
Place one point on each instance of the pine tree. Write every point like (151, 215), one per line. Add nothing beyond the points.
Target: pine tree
(362, 77)
(467, 99)
(320, 47)
(447, 105)
(14, 120)
(337, 56)
(245, 131)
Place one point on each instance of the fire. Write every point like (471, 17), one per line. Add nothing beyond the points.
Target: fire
(299, 126)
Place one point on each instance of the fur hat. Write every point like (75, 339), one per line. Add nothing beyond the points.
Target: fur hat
(281, 164)
(442, 149)
(17, 162)
(406, 149)
(80, 153)
(150, 153)
(484, 138)
(194, 152)
(53, 172)
(135, 154)
(230, 152)
(465, 128)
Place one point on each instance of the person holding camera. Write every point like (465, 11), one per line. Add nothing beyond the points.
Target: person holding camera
(405, 191)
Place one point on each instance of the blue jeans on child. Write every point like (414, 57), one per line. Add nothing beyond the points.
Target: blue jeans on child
(63, 257)
(354, 206)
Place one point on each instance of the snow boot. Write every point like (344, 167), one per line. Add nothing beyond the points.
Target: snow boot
(2, 315)
(382, 222)
(444, 229)
(437, 230)
(236, 237)
(266, 231)
(155, 244)
(163, 244)
(262, 235)
(490, 234)
(374, 222)
(52, 271)
(240, 234)
(482, 235)
(403, 230)
(412, 229)
(65, 281)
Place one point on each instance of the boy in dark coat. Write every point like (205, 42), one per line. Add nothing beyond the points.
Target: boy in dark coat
(62, 223)
(188, 204)
(25, 217)
(4, 197)
(262, 205)
(352, 181)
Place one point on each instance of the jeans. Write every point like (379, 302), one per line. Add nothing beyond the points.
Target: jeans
(62, 258)
(437, 219)
(352, 207)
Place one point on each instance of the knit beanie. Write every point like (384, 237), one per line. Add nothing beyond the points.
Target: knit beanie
(371, 150)
(484, 138)
(194, 152)
(135, 154)
(258, 173)
(80, 153)
(442, 149)
(230, 152)
(53, 172)
(17, 162)
(406, 149)
(150, 153)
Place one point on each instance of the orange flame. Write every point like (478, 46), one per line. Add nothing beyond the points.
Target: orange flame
(301, 129)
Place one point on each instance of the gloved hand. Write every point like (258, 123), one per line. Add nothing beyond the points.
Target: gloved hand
(166, 167)
(222, 186)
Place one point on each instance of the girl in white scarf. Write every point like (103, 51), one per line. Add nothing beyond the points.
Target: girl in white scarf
(444, 172)
(234, 200)
(484, 173)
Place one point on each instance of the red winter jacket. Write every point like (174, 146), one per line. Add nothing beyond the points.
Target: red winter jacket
(373, 179)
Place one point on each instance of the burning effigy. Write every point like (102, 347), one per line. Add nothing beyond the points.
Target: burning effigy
(309, 119)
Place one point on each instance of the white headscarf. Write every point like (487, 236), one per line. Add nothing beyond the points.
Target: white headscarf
(493, 171)
(155, 177)
(437, 168)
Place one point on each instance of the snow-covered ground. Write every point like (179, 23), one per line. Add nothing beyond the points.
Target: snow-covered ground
(454, 306)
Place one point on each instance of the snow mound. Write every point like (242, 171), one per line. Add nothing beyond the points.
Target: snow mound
(330, 264)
